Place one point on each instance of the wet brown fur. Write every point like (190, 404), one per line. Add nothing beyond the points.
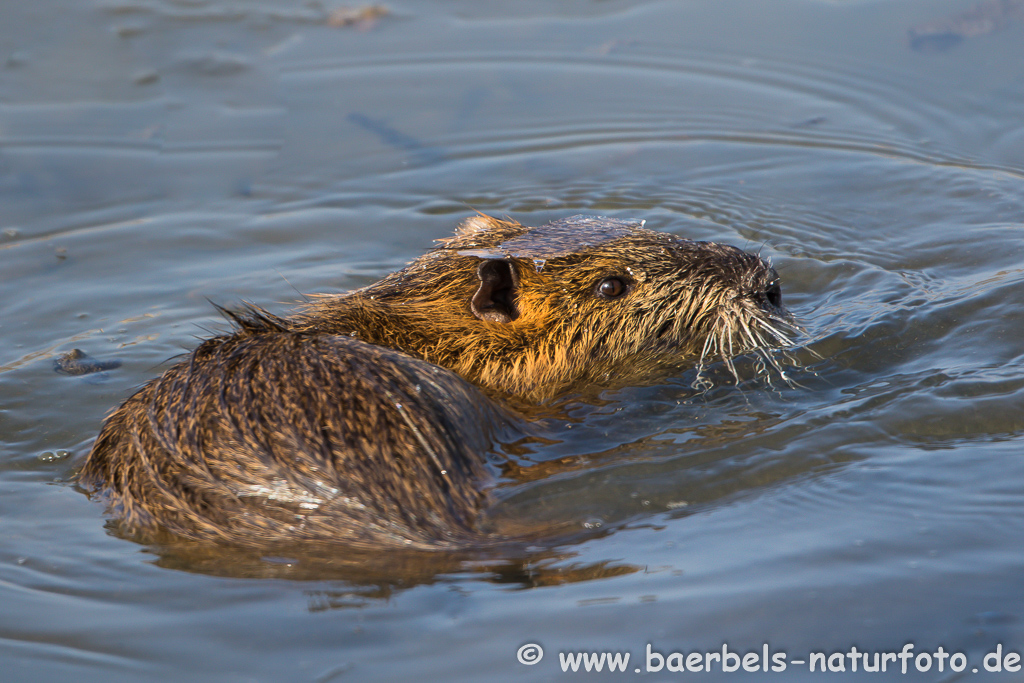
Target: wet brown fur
(565, 337)
(353, 421)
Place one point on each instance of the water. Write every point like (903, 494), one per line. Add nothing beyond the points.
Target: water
(157, 156)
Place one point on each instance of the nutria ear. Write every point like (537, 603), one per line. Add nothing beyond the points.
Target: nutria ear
(483, 223)
(495, 299)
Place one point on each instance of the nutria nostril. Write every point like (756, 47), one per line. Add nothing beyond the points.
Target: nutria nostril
(360, 419)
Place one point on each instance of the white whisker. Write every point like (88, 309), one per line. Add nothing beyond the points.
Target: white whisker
(743, 330)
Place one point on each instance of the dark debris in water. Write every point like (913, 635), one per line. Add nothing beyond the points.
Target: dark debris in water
(78, 362)
(421, 153)
(363, 17)
(982, 19)
(215, 64)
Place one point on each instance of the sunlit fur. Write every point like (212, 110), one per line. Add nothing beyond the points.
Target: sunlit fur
(686, 302)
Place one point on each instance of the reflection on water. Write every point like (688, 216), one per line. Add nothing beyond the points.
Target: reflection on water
(376, 575)
(157, 156)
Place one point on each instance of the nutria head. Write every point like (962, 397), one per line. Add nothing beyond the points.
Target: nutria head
(534, 312)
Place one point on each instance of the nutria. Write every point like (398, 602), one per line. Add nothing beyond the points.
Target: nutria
(363, 420)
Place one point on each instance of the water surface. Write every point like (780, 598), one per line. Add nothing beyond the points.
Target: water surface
(156, 156)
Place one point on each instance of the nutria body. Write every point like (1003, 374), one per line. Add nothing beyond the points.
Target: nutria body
(361, 419)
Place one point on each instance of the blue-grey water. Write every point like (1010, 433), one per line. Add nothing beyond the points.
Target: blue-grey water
(157, 155)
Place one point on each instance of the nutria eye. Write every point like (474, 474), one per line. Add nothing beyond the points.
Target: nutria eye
(774, 294)
(611, 287)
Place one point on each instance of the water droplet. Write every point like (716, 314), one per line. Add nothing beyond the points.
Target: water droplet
(54, 456)
(538, 264)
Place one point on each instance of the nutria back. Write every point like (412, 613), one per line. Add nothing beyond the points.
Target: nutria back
(361, 420)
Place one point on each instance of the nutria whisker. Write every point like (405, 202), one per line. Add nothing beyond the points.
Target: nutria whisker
(780, 336)
(733, 334)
